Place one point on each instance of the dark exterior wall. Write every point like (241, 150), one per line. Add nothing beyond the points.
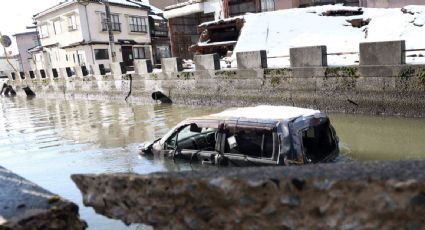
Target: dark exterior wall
(390, 3)
(306, 3)
(286, 4)
(184, 33)
(26, 41)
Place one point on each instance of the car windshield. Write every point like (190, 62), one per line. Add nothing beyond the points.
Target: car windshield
(192, 137)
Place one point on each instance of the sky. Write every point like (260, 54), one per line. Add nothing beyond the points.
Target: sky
(16, 15)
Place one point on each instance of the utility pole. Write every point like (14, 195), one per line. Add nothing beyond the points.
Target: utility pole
(109, 27)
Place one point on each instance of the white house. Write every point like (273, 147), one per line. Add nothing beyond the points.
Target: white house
(75, 33)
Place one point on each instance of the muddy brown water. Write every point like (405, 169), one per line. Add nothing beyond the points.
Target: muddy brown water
(47, 140)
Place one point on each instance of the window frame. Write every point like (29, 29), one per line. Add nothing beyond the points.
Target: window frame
(72, 23)
(136, 54)
(44, 33)
(57, 30)
(96, 57)
(115, 22)
(267, 5)
(138, 24)
(262, 157)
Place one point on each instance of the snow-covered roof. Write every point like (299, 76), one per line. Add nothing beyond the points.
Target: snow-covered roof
(132, 3)
(267, 112)
(205, 44)
(183, 9)
(278, 31)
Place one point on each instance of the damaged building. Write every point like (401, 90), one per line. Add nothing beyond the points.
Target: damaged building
(190, 32)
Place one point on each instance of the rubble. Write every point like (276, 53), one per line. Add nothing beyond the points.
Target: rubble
(380, 195)
(24, 205)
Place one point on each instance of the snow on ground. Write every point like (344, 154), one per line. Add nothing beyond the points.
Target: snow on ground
(279, 31)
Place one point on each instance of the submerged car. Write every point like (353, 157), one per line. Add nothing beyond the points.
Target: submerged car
(251, 136)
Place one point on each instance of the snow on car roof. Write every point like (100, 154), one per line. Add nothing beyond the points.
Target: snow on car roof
(267, 112)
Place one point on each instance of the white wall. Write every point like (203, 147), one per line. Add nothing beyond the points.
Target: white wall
(65, 37)
(89, 23)
(94, 16)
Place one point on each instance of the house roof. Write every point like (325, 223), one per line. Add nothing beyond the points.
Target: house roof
(25, 33)
(130, 3)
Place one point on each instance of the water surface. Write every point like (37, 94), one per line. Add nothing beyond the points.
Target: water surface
(47, 140)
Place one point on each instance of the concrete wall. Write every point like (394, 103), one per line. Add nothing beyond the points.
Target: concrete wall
(383, 53)
(252, 59)
(312, 56)
(379, 85)
(207, 62)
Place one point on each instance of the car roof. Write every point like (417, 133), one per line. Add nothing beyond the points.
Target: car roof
(265, 112)
(259, 117)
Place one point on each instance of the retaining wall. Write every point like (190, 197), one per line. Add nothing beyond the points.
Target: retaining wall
(376, 86)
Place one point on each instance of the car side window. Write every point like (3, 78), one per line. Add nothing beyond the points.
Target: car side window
(252, 143)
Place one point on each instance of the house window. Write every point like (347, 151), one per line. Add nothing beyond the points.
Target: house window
(141, 53)
(115, 22)
(138, 24)
(72, 23)
(57, 27)
(240, 8)
(44, 31)
(101, 54)
(267, 5)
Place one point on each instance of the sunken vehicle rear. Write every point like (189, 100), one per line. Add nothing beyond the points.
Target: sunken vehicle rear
(252, 136)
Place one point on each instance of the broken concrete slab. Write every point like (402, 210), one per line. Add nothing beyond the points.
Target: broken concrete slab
(24, 205)
(380, 195)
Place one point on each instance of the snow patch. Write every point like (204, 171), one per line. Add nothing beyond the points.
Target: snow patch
(278, 31)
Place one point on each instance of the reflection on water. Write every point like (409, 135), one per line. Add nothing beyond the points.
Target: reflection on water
(48, 140)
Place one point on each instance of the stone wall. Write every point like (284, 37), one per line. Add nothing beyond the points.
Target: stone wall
(382, 195)
(379, 85)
